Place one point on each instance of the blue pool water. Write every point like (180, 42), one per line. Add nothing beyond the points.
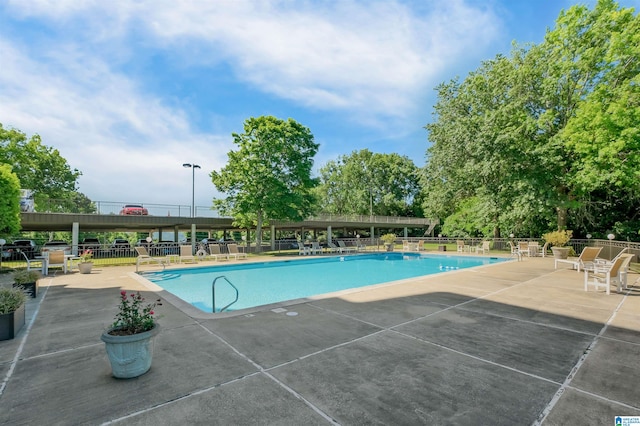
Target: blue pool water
(263, 283)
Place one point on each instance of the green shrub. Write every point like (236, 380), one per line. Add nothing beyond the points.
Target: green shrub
(558, 238)
(11, 299)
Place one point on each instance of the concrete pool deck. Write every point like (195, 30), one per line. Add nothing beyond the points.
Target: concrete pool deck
(504, 344)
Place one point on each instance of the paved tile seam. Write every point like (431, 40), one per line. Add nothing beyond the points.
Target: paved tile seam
(541, 324)
(392, 330)
(547, 410)
(303, 399)
(602, 398)
(264, 371)
(178, 399)
(18, 354)
(477, 358)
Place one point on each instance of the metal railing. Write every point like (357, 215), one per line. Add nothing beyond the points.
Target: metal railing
(213, 293)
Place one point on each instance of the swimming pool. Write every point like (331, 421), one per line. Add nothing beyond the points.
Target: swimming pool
(263, 283)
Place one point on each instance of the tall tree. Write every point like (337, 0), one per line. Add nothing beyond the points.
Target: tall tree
(9, 202)
(369, 183)
(38, 167)
(269, 176)
(535, 137)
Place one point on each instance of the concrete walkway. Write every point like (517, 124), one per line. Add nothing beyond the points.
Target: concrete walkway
(516, 343)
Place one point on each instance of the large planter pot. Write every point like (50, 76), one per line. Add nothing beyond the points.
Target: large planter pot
(11, 323)
(85, 267)
(130, 356)
(560, 252)
(29, 288)
(388, 247)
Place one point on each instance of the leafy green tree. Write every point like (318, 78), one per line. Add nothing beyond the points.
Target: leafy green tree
(9, 202)
(269, 176)
(38, 167)
(548, 135)
(369, 183)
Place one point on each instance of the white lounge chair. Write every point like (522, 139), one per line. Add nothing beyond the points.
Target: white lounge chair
(332, 248)
(40, 262)
(523, 248)
(55, 259)
(315, 248)
(302, 249)
(342, 247)
(605, 275)
(585, 260)
(233, 251)
(484, 247)
(215, 253)
(186, 253)
(143, 257)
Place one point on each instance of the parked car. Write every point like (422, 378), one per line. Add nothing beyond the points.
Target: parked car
(90, 244)
(134, 209)
(56, 245)
(120, 243)
(12, 251)
(120, 247)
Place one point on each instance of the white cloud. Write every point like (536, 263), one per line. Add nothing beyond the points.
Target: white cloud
(371, 61)
(122, 140)
(368, 57)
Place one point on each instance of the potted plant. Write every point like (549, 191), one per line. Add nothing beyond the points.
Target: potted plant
(27, 280)
(12, 311)
(129, 340)
(388, 240)
(85, 264)
(558, 241)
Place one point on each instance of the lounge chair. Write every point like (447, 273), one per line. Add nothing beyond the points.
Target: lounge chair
(186, 253)
(233, 251)
(40, 262)
(342, 247)
(215, 253)
(55, 259)
(523, 248)
(143, 257)
(514, 251)
(461, 246)
(484, 247)
(302, 249)
(315, 248)
(420, 245)
(585, 260)
(543, 251)
(405, 245)
(606, 274)
(332, 248)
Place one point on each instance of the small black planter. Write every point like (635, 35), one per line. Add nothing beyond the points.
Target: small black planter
(29, 288)
(11, 323)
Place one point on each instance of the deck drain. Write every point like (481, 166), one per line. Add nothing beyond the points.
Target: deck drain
(278, 310)
(292, 314)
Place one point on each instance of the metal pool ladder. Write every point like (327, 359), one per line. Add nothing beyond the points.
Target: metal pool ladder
(213, 293)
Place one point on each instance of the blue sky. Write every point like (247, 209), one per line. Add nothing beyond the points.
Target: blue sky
(127, 91)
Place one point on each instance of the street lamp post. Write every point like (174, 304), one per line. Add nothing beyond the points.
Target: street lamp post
(193, 168)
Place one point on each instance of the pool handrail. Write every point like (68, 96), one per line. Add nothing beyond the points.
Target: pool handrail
(213, 293)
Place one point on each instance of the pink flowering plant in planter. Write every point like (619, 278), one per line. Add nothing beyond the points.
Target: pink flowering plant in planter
(133, 316)
(86, 256)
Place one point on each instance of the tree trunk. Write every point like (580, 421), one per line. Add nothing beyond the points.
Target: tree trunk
(259, 233)
(562, 218)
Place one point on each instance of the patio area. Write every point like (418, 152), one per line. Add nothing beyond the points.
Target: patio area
(511, 343)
